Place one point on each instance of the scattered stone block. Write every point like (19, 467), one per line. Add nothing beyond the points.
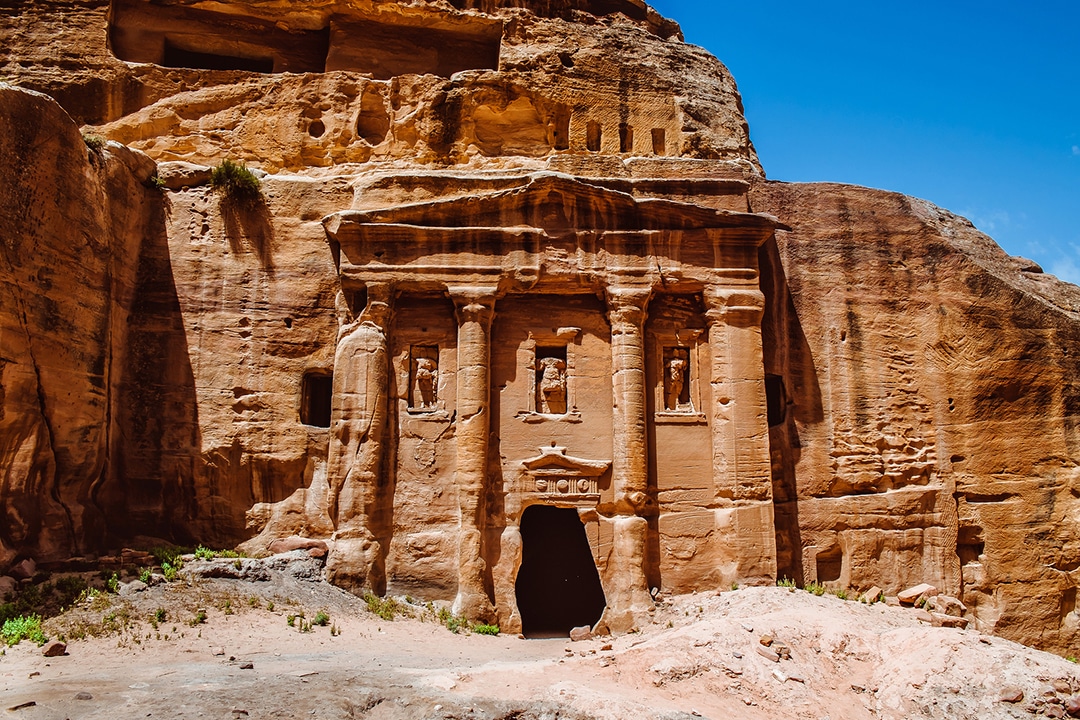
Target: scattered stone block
(923, 616)
(872, 595)
(766, 640)
(767, 653)
(579, 634)
(24, 569)
(912, 594)
(1072, 706)
(7, 586)
(948, 621)
(83, 695)
(949, 605)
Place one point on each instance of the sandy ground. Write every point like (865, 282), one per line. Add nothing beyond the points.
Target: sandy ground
(699, 657)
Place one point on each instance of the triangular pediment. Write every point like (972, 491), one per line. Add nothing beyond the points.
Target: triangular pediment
(555, 459)
(556, 202)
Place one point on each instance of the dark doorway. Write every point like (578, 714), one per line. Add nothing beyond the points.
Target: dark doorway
(317, 392)
(180, 58)
(558, 587)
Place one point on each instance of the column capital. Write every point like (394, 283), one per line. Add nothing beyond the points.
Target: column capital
(627, 308)
(473, 303)
(741, 307)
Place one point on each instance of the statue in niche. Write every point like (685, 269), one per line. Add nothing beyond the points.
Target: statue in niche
(425, 382)
(676, 388)
(551, 387)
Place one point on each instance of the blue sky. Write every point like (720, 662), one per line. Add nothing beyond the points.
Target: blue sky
(974, 106)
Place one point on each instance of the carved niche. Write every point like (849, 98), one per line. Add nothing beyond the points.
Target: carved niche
(554, 477)
(678, 366)
(423, 378)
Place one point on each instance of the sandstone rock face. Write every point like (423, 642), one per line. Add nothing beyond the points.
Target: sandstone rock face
(515, 322)
(74, 221)
(923, 418)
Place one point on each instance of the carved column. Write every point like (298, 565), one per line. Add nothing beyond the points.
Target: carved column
(356, 468)
(625, 583)
(475, 309)
(742, 475)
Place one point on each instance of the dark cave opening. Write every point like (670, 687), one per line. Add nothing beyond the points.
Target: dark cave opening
(558, 587)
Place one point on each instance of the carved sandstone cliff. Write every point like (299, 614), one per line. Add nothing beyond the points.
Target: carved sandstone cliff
(515, 310)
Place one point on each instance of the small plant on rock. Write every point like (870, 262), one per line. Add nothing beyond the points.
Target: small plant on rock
(235, 182)
(169, 571)
(94, 142)
(113, 584)
(485, 629)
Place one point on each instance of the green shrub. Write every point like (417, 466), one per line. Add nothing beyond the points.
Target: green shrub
(321, 619)
(841, 593)
(144, 575)
(486, 629)
(22, 628)
(169, 571)
(386, 608)
(785, 583)
(69, 588)
(94, 142)
(452, 622)
(235, 182)
(814, 588)
(170, 554)
(159, 615)
(204, 553)
(113, 583)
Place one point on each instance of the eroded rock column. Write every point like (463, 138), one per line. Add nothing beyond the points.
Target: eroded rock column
(625, 584)
(742, 475)
(359, 487)
(475, 309)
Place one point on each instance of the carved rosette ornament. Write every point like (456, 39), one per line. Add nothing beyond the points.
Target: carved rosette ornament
(553, 477)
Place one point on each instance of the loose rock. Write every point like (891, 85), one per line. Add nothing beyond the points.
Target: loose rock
(1011, 694)
(54, 648)
(579, 634)
(912, 594)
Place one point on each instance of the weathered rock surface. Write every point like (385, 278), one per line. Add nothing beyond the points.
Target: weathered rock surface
(508, 259)
(929, 426)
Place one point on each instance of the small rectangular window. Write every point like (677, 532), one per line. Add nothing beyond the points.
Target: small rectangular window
(317, 393)
(626, 138)
(561, 138)
(592, 136)
(659, 141)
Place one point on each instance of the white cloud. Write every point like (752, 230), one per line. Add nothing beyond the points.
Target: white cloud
(1067, 269)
